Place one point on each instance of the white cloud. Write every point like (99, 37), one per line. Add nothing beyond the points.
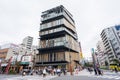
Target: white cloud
(20, 18)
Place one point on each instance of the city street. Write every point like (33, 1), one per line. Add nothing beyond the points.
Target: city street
(27, 77)
(83, 75)
(59, 40)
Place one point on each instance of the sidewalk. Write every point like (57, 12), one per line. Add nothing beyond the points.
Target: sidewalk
(84, 73)
(29, 77)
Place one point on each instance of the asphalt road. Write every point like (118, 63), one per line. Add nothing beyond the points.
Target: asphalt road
(83, 75)
(79, 78)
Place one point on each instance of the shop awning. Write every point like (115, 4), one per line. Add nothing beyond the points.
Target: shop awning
(4, 64)
(26, 63)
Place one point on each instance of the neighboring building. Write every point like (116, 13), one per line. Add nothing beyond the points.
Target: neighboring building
(27, 42)
(3, 54)
(81, 54)
(8, 50)
(88, 60)
(58, 39)
(8, 45)
(101, 53)
(111, 40)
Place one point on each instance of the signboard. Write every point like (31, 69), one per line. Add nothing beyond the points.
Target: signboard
(92, 50)
(4, 64)
(26, 58)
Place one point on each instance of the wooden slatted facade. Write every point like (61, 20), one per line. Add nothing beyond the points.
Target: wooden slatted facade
(58, 39)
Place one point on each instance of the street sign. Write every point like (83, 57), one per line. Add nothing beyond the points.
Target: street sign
(92, 50)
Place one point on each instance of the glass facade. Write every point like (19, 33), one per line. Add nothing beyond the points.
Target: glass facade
(117, 27)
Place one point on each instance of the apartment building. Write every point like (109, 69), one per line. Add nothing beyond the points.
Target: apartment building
(101, 56)
(111, 40)
(3, 54)
(27, 42)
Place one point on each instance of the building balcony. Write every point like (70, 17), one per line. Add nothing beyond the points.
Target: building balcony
(57, 48)
(51, 63)
(53, 35)
(51, 16)
(54, 16)
(61, 33)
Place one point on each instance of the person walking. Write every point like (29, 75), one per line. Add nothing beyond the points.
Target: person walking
(58, 72)
(90, 70)
(98, 70)
(116, 70)
(24, 73)
(44, 72)
(55, 71)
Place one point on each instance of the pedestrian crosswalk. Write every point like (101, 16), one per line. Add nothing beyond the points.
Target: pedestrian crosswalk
(108, 77)
(30, 78)
(105, 76)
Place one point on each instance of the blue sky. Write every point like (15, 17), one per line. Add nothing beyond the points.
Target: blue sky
(21, 18)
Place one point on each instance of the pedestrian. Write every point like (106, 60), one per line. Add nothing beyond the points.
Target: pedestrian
(44, 72)
(64, 71)
(99, 71)
(90, 70)
(95, 70)
(58, 72)
(76, 70)
(55, 71)
(116, 70)
(24, 73)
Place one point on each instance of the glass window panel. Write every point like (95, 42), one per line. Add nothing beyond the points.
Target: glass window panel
(49, 24)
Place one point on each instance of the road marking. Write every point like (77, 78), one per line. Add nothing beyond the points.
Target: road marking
(30, 78)
(117, 78)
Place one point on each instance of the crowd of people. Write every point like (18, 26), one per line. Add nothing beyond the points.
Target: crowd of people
(96, 70)
(45, 71)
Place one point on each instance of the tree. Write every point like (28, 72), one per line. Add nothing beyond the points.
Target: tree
(106, 63)
(87, 64)
(116, 61)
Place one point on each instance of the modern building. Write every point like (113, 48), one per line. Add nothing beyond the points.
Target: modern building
(111, 40)
(81, 53)
(101, 57)
(7, 53)
(7, 50)
(27, 42)
(3, 54)
(58, 43)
